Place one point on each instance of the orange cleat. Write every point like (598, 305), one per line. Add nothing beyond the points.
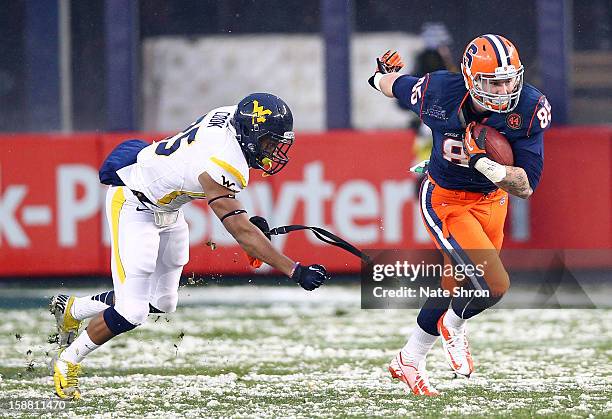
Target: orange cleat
(456, 348)
(413, 375)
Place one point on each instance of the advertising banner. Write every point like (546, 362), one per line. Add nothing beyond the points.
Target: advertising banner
(354, 184)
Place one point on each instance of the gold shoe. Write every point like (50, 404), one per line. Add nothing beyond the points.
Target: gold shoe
(66, 378)
(67, 326)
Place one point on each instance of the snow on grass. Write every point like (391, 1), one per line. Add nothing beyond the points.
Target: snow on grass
(269, 352)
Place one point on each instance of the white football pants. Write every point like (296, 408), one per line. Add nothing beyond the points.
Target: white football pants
(146, 260)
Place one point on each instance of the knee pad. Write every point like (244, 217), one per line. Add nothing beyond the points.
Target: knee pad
(166, 303)
(115, 322)
(135, 311)
(165, 296)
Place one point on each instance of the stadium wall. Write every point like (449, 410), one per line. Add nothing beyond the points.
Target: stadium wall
(354, 183)
(220, 69)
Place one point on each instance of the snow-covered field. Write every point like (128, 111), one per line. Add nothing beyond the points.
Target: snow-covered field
(282, 352)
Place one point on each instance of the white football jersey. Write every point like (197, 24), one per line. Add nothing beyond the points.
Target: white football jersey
(167, 171)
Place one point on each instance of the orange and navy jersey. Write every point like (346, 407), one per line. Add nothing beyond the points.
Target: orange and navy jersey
(442, 102)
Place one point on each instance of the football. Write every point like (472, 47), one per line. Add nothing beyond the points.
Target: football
(497, 146)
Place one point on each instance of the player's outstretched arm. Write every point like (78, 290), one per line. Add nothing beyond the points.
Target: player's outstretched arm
(248, 236)
(252, 240)
(387, 67)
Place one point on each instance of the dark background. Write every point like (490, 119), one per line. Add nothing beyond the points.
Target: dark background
(517, 20)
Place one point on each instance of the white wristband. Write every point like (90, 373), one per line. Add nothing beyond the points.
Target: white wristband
(377, 78)
(494, 171)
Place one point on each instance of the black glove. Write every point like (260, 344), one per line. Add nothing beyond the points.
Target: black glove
(310, 277)
(261, 224)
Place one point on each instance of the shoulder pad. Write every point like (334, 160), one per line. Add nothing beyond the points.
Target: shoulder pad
(445, 90)
(532, 114)
(229, 172)
(537, 109)
(446, 84)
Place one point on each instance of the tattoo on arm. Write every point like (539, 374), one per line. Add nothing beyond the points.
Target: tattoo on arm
(516, 182)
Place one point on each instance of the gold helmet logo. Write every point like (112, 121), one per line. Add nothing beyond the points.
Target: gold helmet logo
(259, 113)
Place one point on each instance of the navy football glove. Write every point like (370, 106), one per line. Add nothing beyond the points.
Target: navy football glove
(310, 277)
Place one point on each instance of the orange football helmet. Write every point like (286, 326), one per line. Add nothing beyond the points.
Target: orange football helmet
(493, 72)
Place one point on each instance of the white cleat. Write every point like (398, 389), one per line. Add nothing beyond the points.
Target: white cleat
(413, 375)
(456, 348)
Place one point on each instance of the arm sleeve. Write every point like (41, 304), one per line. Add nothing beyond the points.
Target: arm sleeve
(529, 155)
(410, 92)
